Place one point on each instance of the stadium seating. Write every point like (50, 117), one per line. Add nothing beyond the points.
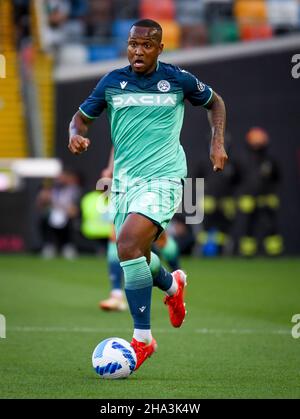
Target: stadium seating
(284, 15)
(193, 35)
(102, 52)
(72, 54)
(223, 31)
(254, 32)
(120, 29)
(187, 23)
(248, 11)
(126, 9)
(157, 10)
(218, 10)
(252, 18)
(43, 78)
(189, 12)
(172, 34)
(42, 74)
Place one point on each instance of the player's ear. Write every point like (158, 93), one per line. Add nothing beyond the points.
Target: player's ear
(161, 48)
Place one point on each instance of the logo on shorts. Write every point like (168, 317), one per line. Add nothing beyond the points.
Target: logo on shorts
(163, 86)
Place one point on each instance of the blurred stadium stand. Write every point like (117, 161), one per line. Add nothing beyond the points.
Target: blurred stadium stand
(55, 51)
(11, 104)
(97, 30)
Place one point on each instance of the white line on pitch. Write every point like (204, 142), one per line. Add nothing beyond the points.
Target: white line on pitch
(57, 329)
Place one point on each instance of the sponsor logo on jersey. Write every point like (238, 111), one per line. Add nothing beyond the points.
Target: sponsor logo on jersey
(123, 84)
(163, 86)
(139, 99)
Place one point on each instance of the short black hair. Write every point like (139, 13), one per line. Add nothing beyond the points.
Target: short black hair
(148, 23)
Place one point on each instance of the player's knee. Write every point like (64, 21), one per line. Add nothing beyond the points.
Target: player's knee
(128, 249)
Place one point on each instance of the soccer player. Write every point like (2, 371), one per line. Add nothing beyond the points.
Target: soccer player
(145, 105)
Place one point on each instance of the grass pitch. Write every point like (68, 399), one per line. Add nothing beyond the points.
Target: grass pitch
(236, 341)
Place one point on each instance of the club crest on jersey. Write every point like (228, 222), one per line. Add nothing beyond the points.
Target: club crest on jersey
(163, 86)
(200, 85)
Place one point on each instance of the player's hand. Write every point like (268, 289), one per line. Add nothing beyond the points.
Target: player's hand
(78, 144)
(218, 155)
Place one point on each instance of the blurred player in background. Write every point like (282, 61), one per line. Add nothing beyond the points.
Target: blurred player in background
(145, 105)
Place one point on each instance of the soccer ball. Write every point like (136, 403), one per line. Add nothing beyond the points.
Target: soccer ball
(114, 358)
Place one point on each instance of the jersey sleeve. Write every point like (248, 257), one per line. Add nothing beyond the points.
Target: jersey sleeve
(96, 102)
(195, 91)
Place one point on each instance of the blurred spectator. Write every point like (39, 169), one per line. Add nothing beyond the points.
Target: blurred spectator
(99, 19)
(58, 206)
(64, 22)
(57, 13)
(219, 206)
(256, 228)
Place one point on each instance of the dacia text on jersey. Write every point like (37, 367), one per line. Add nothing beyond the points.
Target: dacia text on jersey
(139, 99)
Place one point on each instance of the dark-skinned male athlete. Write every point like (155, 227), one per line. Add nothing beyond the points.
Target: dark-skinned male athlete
(145, 105)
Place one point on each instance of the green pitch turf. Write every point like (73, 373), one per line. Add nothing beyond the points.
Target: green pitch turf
(236, 341)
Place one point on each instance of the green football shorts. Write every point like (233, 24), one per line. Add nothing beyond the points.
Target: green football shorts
(157, 200)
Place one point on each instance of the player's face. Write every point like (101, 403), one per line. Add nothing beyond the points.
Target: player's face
(143, 49)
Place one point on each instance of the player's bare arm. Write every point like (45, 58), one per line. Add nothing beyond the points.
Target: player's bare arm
(217, 120)
(78, 129)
